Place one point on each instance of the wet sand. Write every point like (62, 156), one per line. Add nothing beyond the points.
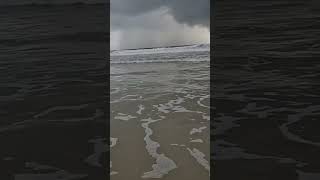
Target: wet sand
(160, 121)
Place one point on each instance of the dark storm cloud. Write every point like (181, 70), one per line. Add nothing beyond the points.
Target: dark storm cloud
(134, 7)
(158, 23)
(191, 12)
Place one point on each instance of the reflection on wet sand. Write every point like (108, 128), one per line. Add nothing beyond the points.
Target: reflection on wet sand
(160, 115)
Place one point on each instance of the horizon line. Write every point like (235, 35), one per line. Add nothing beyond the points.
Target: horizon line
(157, 47)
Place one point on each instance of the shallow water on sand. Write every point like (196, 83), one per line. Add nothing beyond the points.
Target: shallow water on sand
(160, 120)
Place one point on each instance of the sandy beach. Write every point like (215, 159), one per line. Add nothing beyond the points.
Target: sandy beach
(160, 114)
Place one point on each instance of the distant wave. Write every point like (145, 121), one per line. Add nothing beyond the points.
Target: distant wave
(161, 61)
(191, 53)
(189, 48)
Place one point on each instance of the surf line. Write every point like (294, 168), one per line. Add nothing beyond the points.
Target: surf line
(113, 142)
(163, 164)
(199, 156)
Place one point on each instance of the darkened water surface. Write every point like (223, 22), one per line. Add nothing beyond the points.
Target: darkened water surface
(52, 92)
(159, 120)
(266, 90)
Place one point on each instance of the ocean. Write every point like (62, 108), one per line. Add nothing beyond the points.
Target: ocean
(53, 96)
(160, 113)
(266, 90)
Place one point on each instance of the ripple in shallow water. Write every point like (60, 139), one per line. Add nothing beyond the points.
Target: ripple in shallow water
(163, 164)
(199, 156)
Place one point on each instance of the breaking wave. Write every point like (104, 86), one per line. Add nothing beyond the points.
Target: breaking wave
(192, 53)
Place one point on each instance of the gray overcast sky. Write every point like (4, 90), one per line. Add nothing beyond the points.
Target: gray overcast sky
(154, 23)
(151, 23)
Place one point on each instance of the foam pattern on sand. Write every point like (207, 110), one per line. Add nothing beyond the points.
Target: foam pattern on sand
(162, 110)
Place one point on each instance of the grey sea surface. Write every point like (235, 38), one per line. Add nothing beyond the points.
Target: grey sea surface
(160, 118)
(266, 90)
(53, 92)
